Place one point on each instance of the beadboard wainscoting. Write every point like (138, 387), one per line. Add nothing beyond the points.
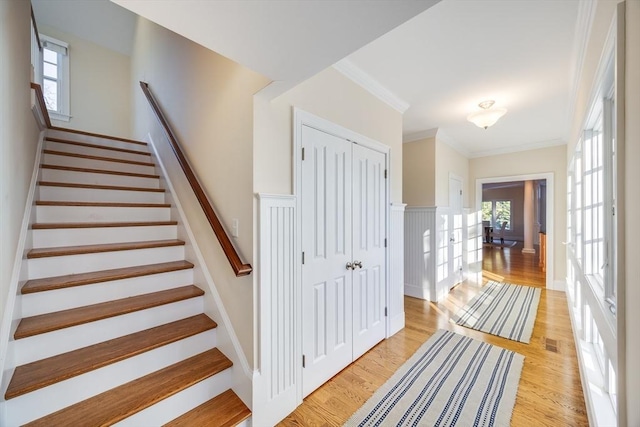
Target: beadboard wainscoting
(434, 251)
(276, 379)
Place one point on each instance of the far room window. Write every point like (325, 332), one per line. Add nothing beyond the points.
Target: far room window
(497, 212)
(55, 77)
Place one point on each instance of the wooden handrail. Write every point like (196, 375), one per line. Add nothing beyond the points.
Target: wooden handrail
(239, 268)
(41, 103)
(35, 28)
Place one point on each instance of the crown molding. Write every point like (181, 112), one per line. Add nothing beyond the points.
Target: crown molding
(357, 75)
(517, 148)
(417, 136)
(586, 15)
(447, 139)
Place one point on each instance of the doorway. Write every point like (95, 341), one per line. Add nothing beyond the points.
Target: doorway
(547, 208)
(343, 222)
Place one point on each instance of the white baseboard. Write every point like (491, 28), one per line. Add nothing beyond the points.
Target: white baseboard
(9, 309)
(558, 285)
(415, 291)
(396, 324)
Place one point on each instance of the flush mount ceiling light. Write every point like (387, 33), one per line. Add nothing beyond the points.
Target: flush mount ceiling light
(487, 116)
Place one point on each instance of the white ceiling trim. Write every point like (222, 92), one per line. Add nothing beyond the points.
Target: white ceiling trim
(517, 148)
(586, 14)
(452, 142)
(355, 73)
(417, 136)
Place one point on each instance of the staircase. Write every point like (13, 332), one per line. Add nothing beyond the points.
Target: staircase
(113, 328)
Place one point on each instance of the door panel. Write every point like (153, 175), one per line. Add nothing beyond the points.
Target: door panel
(369, 225)
(327, 240)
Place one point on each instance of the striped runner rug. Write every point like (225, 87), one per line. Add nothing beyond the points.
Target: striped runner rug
(451, 380)
(502, 309)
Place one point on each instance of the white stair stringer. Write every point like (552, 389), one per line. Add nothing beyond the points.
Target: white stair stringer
(72, 212)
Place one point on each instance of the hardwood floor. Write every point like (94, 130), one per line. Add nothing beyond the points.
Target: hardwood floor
(549, 393)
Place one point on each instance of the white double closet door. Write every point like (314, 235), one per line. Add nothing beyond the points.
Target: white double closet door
(343, 199)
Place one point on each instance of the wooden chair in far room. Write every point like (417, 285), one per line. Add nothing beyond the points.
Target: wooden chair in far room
(499, 234)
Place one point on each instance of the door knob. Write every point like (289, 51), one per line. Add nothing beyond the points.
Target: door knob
(357, 264)
(350, 266)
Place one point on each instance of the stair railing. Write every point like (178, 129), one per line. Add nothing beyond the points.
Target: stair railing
(239, 268)
(42, 104)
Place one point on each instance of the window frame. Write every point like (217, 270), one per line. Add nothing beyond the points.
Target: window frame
(63, 112)
(493, 220)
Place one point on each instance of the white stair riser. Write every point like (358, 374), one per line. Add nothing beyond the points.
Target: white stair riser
(95, 151)
(176, 405)
(79, 162)
(67, 214)
(60, 237)
(95, 140)
(44, 401)
(72, 264)
(55, 175)
(67, 194)
(79, 296)
(41, 346)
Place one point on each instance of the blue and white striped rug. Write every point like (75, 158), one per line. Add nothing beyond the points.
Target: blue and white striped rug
(451, 380)
(502, 309)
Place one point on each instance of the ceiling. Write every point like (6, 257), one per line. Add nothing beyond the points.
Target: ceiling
(448, 59)
(436, 60)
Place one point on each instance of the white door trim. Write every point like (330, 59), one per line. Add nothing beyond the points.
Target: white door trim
(302, 118)
(549, 176)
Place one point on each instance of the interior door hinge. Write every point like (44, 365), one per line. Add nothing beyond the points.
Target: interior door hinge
(302, 153)
(385, 174)
(385, 242)
(385, 312)
(303, 257)
(461, 192)
(303, 361)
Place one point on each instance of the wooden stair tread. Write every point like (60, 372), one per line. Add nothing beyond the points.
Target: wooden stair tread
(224, 410)
(101, 158)
(108, 247)
(100, 171)
(101, 147)
(45, 372)
(97, 135)
(121, 402)
(102, 204)
(43, 323)
(99, 187)
(54, 225)
(70, 280)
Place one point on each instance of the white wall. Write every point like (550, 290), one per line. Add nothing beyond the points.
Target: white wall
(632, 212)
(419, 172)
(209, 101)
(18, 132)
(333, 97)
(427, 164)
(544, 160)
(100, 91)
(448, 160)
